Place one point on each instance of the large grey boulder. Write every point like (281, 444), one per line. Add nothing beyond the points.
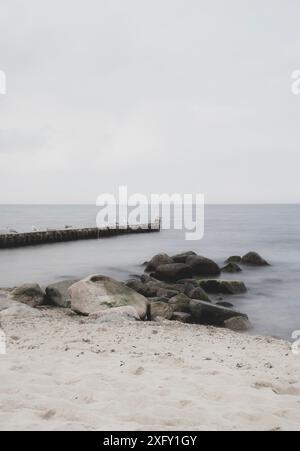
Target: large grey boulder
(206, 313)
(98, 292)
(218, 286)
(116, 314)
(202, 266)
(181, 258)
(172, 272)
(180, 303)
(30, 294)
(157, 260)
(58, 294)
(254, 259)
(160, 310)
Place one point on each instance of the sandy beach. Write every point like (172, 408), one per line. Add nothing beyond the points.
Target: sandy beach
(66, 372)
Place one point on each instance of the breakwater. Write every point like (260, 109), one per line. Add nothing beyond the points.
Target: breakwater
(11, 240)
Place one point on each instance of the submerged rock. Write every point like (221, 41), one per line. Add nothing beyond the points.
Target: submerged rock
(238, 324)
(181, 258)
(231, 268)
(202, 266)
(206, 313)
(234, 259)
(172, 272)
(30, 294)
(57, 293)
(253, 258)
(158, 260)
(217, 286)
(96, 293)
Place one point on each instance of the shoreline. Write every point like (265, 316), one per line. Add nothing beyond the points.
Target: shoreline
(64, 372)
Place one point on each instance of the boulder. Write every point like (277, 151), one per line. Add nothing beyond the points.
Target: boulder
(238, 324)
(98, 292)
(57, 293)
(142, 288)
(180, 303)
(217, 286)
(234, 259)
(231, 268)
(18, 309)
(196, 293)
(172, 272)
(206, 313)
(116, 314)
(254, 259)
(30, 294)
(202, 266)
(181, 258)
(182, 317)
(158, 260)
(160, 310)
(161, 291)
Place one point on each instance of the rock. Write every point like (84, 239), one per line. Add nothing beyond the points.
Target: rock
(160, 310)
(181, 258)
(173, 271)
(146, 278)
(116, 314)
(182, 317)
(223, 286)
(57, 293)
(206, 313)
(161, 291)
(238, 324)
(96, 293)
(158, 260)
(198, 293)
(231, 268)
(142, 288)
(180, 303)
(21, 310)
(253, 258)
(225, 304)
(202, 266)
(234, 259)
(30, 294)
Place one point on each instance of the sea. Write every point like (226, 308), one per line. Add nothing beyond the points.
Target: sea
(273, 298)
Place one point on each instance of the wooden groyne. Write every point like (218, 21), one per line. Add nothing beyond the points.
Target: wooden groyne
(12, 240)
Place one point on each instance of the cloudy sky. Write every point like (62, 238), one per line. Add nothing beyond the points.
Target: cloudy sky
(163, 96)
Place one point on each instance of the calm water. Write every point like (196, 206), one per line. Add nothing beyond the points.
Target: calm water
(273, 300)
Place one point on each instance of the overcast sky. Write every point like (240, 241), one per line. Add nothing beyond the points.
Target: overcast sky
(163, 96)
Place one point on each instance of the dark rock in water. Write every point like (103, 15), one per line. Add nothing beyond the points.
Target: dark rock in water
(225, 304)
(30, 294)
(160, 310)
(196, 292)
(182, 317)
(231, 268)
(206, 313)
(181, 258)
(142, 288)
(234, 259)
(180, 303)
(253, 258)
(173, 271)
(158, 260)
(57, 293)
(238, 324)
(223, 286)
(146, 278)
(202, 266)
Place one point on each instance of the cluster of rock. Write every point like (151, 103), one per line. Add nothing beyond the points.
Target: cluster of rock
(174, 288)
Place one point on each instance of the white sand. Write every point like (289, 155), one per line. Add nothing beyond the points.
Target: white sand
(66, 373)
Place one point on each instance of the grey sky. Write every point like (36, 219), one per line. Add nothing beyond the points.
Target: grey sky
(162, 95)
